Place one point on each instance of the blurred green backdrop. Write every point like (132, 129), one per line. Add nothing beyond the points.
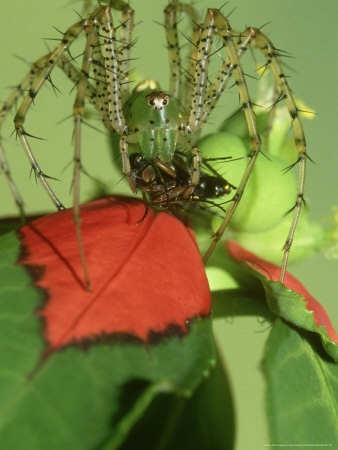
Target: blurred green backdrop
(306, 28)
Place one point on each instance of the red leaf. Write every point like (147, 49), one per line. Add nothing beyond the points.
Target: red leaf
(271, 271)
(146, 277)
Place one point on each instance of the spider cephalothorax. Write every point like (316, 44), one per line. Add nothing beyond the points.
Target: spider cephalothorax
(154, 121)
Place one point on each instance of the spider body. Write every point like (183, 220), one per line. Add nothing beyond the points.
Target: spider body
(156, 122)
(154, 119)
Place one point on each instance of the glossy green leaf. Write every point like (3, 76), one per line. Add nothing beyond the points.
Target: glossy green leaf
(302, 389)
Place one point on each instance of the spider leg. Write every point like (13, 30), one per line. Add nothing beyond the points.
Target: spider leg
(204, 98)
(74, 74)
(220, 81)
(26, 84)
(251, 37)
(126, 163)
(17, 92)
(101, 17)
(264, 45)
(113, 66)
(112, 74)
(272, 114)
(126, 42)
(201, 74)
(98, 96)
(69, 37)
(114, 79)
(108, 78)
(194, 172)
(170, 25)
(215, 22)
(12, 186)
(91, 28)
(189, 79)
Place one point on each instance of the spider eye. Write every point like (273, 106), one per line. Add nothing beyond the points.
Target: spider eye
(152, 102)
(165, 102)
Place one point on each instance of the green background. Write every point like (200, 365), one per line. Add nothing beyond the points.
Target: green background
(306, 28)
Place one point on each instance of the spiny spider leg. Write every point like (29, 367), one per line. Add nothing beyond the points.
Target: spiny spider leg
(220, 81)
(170, 24)
(69, 37)
(264, 45)
(201, 98)
(194, 172)
(205, 98)
(256, 39)
(100, 18)
(126, 40)
(12, 185)
(18, 92)
(177, 87)
(111, 70)
(211, 94)
(106, 62)
(275, 98)
(74, 74)
(201, 74)
(113, 79)
(200, 109)
(91, 27)
(214, 23)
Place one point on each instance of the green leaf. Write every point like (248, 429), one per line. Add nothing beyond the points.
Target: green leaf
(80, 398)
(7, 225)
(290, 301)
(289, 305)
(302, 389)
(204, 421)
(240, 302)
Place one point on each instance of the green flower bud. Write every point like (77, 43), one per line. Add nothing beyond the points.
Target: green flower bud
(268, 245)
(270, 191)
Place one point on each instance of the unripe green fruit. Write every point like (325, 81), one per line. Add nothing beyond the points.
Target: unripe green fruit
(269, 193)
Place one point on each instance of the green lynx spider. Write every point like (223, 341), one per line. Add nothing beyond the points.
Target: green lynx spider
(103, 81)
